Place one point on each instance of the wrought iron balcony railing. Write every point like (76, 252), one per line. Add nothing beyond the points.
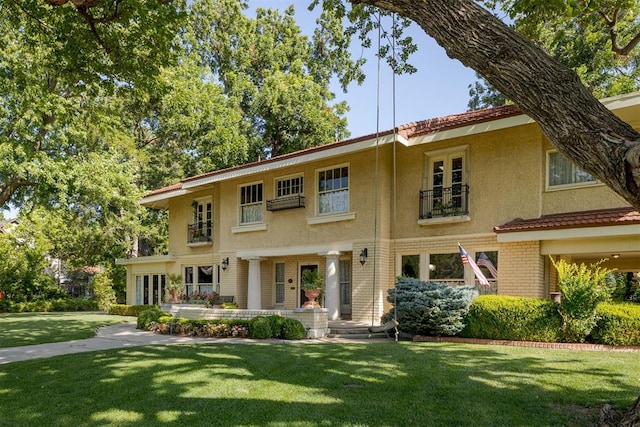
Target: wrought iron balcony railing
(200, 232)
(283, 203)
(441, 202)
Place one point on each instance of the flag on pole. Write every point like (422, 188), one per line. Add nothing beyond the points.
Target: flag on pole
(484, 261)
(476, 270)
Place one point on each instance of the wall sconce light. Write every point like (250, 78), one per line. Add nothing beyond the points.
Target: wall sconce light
(364, 254)
(225, 263)
(615, 256)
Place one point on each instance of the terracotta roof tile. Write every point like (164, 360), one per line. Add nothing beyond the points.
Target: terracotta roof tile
(596, 218)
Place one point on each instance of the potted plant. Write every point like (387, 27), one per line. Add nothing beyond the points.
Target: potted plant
(312, 285)
(175, 288)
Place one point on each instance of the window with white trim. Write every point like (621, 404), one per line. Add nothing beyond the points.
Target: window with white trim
(279, 283)
(289, 186)
(561, 172)
(251, 204)
(333, 190)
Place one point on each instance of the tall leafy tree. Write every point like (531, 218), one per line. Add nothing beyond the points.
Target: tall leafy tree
(278, 76)
(596, 39)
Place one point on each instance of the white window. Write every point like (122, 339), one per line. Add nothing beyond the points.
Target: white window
(561, 172)
(251, 204)
(198, 280)
(333, 190)
(290, 186)
(279, 282)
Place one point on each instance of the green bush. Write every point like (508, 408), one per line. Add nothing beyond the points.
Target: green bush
(276, 325)
(429, 308)
(583, 288)
(57, 305)
(127, 310)
(260, 328)
(513, 318)
(293, 329)
(618, 324)
(146, 317)
(103, 290)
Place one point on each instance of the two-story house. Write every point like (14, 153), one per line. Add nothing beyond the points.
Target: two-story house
(366, 210)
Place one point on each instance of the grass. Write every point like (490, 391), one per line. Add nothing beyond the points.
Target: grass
(304, 384)
(39, 328)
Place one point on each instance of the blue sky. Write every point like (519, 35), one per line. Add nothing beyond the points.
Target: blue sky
(440, 87)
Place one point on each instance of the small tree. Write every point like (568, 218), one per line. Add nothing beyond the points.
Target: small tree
(103, 290)
(582, 288)
(430, 308)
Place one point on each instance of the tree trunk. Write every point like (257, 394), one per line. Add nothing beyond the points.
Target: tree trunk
(632, 418)
(574, 120)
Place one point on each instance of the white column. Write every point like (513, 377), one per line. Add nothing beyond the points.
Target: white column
(332, 286)
(254, 289)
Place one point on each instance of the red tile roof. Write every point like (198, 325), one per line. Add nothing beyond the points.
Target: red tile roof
(596, 218)
(408, 130)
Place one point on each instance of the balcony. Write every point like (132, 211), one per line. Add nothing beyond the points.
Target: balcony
(283, 203)
(444, 202)
(200, 232)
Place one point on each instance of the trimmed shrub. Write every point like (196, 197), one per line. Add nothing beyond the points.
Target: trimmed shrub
(127, 310)
(513, 318)
(293, 329)
(618, 324)
(430, 308)
(103, 290)
(583, 288)
(55, 305)
(260, 328)
(146, 317)
(276, 325)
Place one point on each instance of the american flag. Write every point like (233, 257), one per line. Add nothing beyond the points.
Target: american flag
(484, 261)
(476, 270)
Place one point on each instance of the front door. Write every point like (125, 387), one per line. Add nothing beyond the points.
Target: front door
(303, 268)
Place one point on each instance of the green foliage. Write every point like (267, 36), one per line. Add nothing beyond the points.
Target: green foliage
(617, 324)
(430, 308)
(513, 318)
(103, 290)
(277, 323)
(311, 279)
(260, 328)
(582, 288)
(293, 329)
(50, 305)
(146, 317)
(127, 310)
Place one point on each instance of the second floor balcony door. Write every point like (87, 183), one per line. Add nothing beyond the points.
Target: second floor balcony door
(446, 180)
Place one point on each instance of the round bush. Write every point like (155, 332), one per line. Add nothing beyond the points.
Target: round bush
(260, 328)
(276, 325)
(151, 315)
(293, 329)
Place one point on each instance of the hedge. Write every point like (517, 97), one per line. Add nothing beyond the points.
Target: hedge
(513, 318)
(55, 305)
(617, 324)
(291, 329)
(128, 310)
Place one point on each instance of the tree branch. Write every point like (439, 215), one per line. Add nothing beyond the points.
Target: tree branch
(612, 23)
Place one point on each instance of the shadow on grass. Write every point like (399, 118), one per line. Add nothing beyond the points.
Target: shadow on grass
(18, 329)
(398, 384)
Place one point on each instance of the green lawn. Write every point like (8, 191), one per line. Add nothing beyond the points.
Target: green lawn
(302, 384)
(39, 328)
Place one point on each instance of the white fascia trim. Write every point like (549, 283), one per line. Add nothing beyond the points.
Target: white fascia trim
(570, 233)
(145, 259)
(296, 160)
(150, 200)
(296, 250)
(476, 128)
(621, 101)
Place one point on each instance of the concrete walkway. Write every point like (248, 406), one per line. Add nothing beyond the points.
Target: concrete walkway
(126, 335)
